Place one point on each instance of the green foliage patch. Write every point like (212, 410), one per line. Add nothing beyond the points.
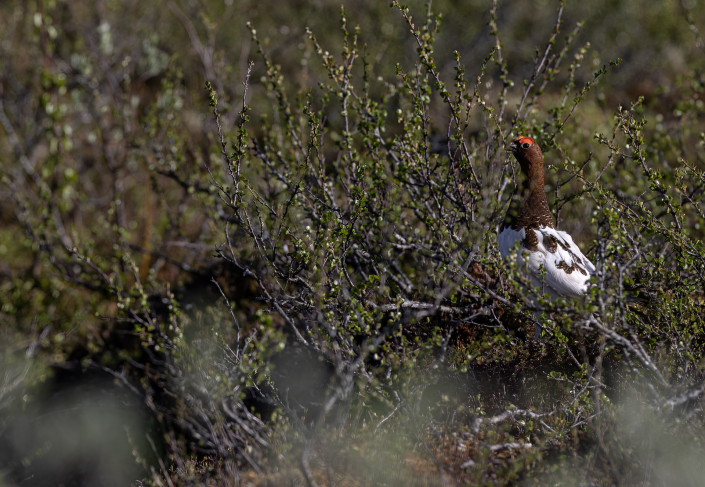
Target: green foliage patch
(290, 273)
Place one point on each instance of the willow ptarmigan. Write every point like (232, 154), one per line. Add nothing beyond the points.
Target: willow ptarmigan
(530, 222)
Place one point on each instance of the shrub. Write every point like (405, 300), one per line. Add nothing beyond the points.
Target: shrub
(306, 283)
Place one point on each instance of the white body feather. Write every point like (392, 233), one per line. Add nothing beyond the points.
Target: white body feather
(558, 282)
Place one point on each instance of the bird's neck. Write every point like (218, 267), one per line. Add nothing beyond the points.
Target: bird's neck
(529, 207)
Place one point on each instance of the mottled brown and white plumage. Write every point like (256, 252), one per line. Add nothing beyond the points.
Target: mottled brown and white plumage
(530, 223)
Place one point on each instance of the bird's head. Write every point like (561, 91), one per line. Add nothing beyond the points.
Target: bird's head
(528, 155)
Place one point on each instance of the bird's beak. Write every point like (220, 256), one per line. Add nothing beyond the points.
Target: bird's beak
(512, 147)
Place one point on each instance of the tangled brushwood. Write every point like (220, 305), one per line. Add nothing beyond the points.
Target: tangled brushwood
(276, 281)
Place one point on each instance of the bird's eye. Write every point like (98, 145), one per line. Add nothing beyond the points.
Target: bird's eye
(525, 145)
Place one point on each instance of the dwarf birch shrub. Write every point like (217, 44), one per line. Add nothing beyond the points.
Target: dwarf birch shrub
(305, 283)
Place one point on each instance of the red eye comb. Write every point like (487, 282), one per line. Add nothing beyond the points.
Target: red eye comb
(521, 140)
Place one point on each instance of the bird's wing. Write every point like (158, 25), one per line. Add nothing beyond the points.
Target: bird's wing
(567, 269)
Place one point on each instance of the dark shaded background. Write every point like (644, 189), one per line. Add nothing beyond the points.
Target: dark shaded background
(106, 42)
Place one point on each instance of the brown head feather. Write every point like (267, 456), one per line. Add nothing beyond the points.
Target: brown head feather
(529, 208)
(528, 155)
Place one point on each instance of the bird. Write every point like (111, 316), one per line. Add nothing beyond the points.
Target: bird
(528, 232)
